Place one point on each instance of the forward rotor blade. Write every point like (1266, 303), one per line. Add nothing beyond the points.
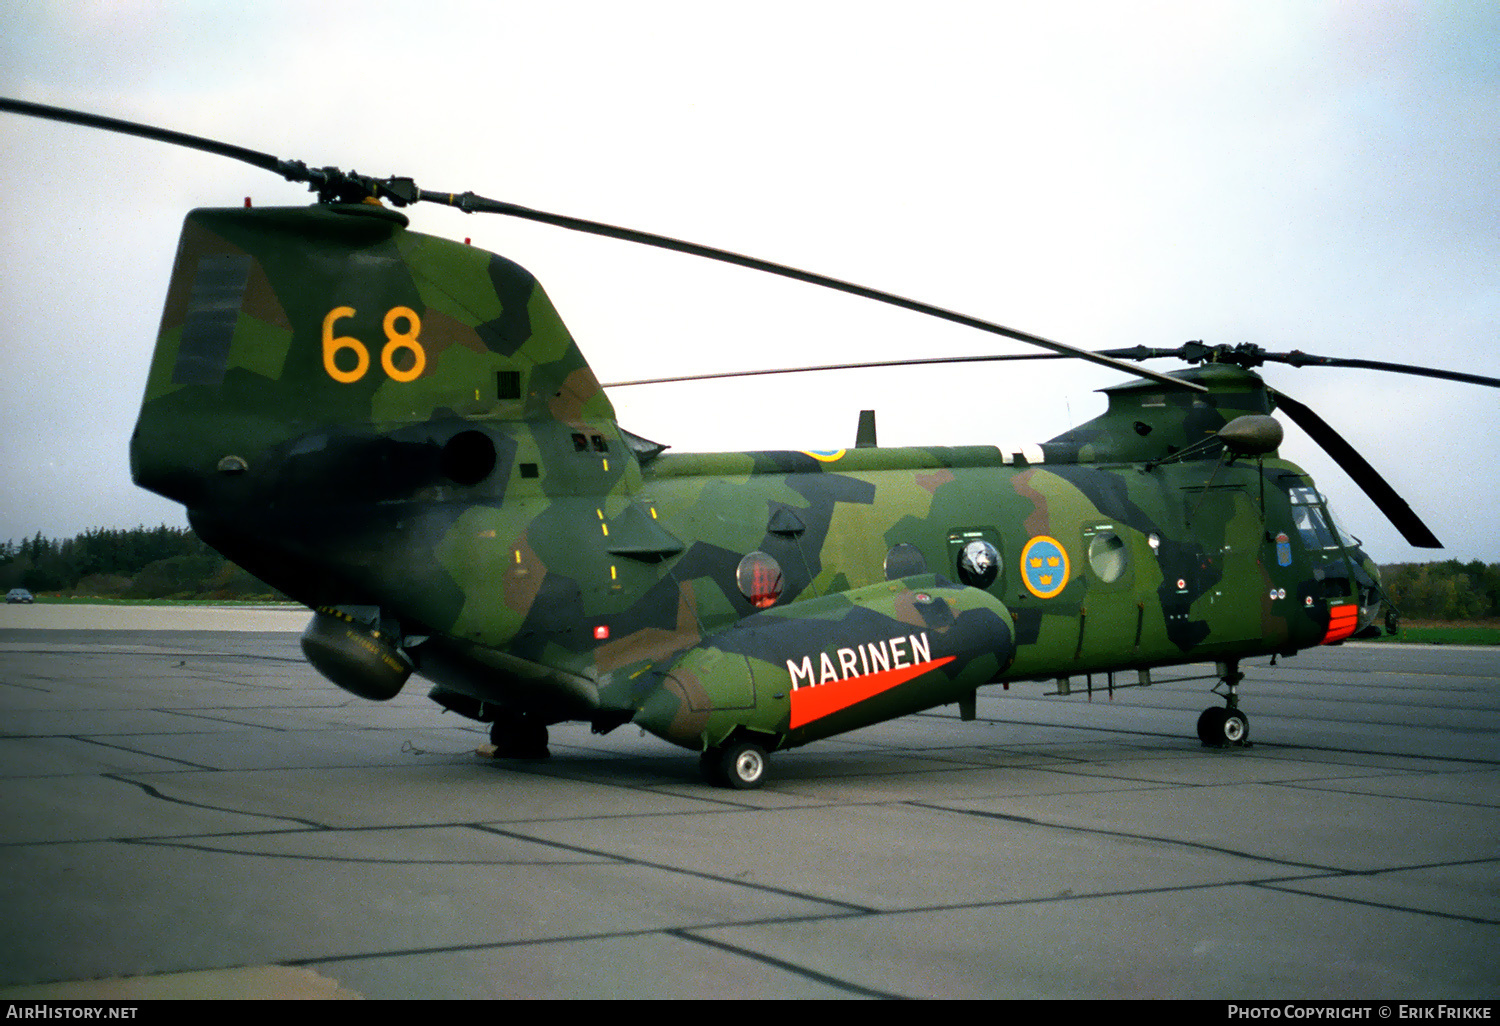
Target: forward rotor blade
(1249, 355)
(1297, 358)
(470, 203)
(917, 361)
(1359, 470)
(1135, 353)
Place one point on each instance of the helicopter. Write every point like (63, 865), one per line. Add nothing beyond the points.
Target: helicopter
(399, 432)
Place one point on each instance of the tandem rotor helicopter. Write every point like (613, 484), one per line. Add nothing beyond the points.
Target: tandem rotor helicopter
(398, 431)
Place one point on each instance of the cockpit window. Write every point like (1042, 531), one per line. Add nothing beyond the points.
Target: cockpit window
(1312, 519)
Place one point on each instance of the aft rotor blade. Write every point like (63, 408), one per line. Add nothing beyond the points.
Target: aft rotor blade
(264, 161)
(470, 203)
(330, 183)
(1396, 509)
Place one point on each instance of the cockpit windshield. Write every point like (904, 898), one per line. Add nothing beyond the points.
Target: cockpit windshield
(1312, 519)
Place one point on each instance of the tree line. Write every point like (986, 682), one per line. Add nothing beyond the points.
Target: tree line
(138, 562)
(1450, 590)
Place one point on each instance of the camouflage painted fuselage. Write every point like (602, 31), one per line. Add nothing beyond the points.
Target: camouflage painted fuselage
(399, 428)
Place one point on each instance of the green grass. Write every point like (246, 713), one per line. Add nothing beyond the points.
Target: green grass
(1484, 632)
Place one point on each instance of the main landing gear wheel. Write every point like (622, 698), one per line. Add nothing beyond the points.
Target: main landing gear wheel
(1219, 727)
(740, 765)
(519, 737)
(708, 766)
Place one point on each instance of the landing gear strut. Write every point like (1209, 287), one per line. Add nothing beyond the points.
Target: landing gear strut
(518, 737)
(1224, 725)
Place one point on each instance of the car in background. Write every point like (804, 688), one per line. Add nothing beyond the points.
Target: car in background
(18, 595)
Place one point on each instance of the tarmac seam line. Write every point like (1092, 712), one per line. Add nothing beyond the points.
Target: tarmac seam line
(154, 793)
(1304, 785)
(685, 933)
(1106, 832)
(359, 860)
(135, 751)
(697, 873)
(1375, 904)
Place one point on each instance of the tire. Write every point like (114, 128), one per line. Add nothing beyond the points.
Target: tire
(1211, 726)
(742, 765)
(1219, 727)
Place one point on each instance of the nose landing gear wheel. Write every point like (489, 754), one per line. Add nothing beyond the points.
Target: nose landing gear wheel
(1236, 727)
(1218, 727)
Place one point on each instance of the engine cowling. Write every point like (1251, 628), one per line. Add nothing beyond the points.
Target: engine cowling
(354, 655)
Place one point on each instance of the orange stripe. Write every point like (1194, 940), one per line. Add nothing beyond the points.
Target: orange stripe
(814, 701)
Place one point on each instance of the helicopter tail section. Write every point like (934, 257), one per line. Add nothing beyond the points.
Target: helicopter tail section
(281, 321)
(329, 391)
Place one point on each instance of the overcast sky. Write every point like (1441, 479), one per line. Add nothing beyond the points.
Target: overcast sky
(1315, 176)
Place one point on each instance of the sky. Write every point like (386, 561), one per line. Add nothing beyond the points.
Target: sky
(1317, 175)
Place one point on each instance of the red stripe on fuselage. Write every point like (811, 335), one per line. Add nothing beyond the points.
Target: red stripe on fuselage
(814, 701)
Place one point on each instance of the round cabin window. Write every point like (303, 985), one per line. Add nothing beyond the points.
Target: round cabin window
(759, 579)
(904, 560)
(1107, 555)
(978, 564)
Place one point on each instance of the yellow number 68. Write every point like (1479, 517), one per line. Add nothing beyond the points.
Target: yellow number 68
(407, 339)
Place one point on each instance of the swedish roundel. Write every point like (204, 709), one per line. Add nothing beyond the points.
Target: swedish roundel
(1044, 567)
